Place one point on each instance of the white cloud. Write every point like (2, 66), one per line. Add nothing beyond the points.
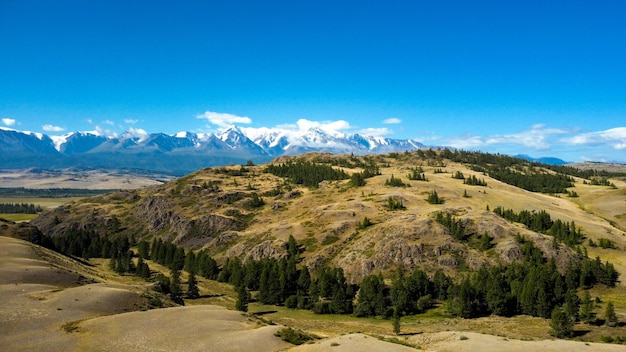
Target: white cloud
(466, 142)
(538, 138)
(109, 122)
(130, 121)
(137, 133)
(224, 120)
(375, 132)
(616, 137)
(8, 122)
(51, 128)
(326, 126)
(392, 120)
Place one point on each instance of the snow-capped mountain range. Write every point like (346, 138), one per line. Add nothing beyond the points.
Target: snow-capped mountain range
(183, 151)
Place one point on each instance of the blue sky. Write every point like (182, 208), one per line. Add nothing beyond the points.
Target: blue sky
(544, 78)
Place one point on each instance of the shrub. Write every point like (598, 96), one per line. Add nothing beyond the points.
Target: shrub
(291, 302)
(293, 336)
(606, 339)
(322, 307)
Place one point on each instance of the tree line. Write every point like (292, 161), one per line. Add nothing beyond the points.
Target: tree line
(21, 192)
(20, 208)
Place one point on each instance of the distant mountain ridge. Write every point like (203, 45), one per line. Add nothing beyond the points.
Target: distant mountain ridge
(182, 152)
(545, 160)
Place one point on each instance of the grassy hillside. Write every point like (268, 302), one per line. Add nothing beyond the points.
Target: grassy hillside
(247, 212)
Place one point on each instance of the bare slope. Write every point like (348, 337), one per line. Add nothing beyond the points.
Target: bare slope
(48, 306)
(41, 291)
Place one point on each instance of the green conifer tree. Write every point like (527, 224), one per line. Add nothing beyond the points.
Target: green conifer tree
(610, 319)
(193, 291)
(586, 308)
(561, 324)
(396, 322)
(243, 297)
(176, 289)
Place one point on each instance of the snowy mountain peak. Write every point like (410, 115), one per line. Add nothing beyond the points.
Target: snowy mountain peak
(232, 134)
(234, 142)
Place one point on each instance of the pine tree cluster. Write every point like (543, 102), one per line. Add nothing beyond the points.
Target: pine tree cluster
(454, 226)
(417, 174)
(540, 221)
(307, 173)
(395, 182)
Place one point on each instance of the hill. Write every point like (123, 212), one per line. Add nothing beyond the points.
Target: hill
(248, 212)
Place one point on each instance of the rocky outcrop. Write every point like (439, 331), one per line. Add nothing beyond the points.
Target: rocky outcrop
(160, 214)
(23, 231)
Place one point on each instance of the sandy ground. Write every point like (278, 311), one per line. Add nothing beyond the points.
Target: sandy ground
(473, 342)
(352, 342)
(38, 298)
(193, 328)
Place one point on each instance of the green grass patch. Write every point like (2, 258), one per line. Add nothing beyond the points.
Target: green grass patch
(329, 240)
(18, 217)
(309, 243)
